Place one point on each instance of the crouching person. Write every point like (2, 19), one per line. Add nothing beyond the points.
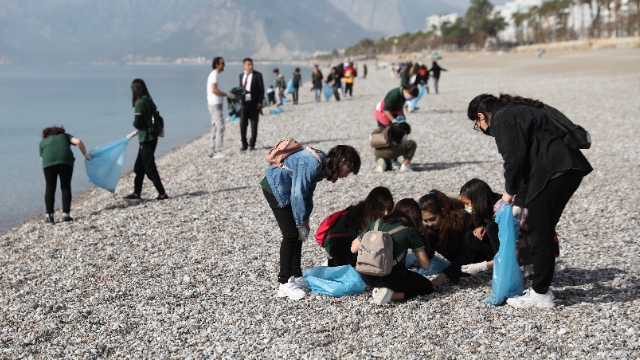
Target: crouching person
(400, 145)
(404, 224)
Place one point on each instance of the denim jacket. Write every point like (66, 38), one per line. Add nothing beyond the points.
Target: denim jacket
(296, 187)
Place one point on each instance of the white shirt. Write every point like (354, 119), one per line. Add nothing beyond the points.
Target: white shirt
(214, 78)
(247, 78)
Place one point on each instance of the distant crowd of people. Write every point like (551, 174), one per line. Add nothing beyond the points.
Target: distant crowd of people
(542, 170)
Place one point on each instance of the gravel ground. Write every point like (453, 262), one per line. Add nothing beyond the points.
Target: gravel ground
(195, 276)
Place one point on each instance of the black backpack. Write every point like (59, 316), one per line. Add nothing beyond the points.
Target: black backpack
(156, 128)
(576, 137)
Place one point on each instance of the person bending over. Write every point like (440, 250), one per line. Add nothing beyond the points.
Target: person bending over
(392, 106)
(534, 152)
(289, 192)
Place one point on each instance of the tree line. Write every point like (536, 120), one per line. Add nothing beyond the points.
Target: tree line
(549, 22)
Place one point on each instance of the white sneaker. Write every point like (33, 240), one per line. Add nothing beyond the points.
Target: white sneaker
(218, 155)
(532, 299)
(382, 296)
(291, 290)
(302, 284)
(406, 168)
(382, 165)
(325, 263)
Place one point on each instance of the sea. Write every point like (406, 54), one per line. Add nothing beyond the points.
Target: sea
(93, 103)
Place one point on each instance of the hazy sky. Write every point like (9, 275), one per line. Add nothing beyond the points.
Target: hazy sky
(465, 3)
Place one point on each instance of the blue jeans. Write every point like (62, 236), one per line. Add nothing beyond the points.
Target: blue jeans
(317, 93)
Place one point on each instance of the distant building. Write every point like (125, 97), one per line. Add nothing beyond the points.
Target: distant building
(434, 22)
(507, 11)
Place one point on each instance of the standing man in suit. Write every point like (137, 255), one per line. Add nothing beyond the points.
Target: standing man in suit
(251, 103)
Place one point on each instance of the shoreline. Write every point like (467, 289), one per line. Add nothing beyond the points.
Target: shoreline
(195, 275)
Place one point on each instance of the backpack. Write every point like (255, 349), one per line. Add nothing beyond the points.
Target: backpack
(381, 137)
(326, 225)
(284, 148)
(375, 256)
(576, 137)
(156, 128)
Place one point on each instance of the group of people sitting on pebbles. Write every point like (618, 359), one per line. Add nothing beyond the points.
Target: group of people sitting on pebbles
(543, 167)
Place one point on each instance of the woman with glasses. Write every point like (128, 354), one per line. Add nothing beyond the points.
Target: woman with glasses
(534, 153)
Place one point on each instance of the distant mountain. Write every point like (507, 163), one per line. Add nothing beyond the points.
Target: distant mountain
(393, 16)
(85, 31)
(41, 31)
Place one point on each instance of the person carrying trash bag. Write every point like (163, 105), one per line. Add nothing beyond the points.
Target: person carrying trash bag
(333, 80)
(57, 162)
(541, 147)
(394, 282)
(146, 161)
(288, 186)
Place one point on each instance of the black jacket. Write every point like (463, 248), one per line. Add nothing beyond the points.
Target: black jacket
(257, 87)
(532, 149)
(457, 259)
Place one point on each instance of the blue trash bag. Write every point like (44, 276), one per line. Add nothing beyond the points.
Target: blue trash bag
(106, 164)
(399, 119)
(233, 118)
(328, 91)
(334, 281)
(285, 100)
(290, 89)
(437, 265)
(413, 103)
(507, 279)
(276, 111)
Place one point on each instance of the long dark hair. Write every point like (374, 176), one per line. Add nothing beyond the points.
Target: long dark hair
(365, 212)
(216, 61)
(341, 155)
(482, 200)
(450, 209)
(487, 104)
(138, 90)
(407, 70)
(407, 212)
(54, 130)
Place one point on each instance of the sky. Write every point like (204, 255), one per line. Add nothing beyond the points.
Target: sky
(464, 4)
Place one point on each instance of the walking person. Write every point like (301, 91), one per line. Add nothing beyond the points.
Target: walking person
(534, 151)
(57, 162)
(316, 82)
(297, 81)
(350, 74)
(435, 71)
(289, 192)
(251, 81)
(364, 71)
(215, 96)
(334, 81)
(146, 161)
(280, 85)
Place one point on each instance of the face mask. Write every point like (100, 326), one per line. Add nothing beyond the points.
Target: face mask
(469, 210)
(408, 98)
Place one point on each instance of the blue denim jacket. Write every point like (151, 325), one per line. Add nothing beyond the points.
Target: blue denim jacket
(296, 187)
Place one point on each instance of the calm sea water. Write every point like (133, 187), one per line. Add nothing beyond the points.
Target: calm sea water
(93, 103)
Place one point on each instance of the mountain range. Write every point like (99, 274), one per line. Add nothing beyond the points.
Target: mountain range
(89, 31)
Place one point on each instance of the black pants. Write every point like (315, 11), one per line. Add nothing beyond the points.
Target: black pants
(146, 165)
(290, 247)
(544, 213)
(341, 254)
(348, 89)
(336, 93)
(295, 96)
(435, 83)
(486, 248)
(402, 280)
(249, 113)
(51, 174)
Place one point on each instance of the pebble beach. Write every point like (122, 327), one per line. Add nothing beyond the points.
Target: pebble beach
(196, 276)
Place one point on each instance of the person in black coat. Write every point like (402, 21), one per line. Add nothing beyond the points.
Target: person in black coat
(251, 103)
(435, 70)
(534, 153)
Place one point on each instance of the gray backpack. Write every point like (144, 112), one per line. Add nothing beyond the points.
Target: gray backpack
(375, 256)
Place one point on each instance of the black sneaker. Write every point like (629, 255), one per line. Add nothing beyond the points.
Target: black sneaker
(133, 198)
(162, 197)
(252, 148)
(67, 218)
(244, 148)
(49, 219)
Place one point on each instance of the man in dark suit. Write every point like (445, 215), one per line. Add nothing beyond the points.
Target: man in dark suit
(251, 103)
